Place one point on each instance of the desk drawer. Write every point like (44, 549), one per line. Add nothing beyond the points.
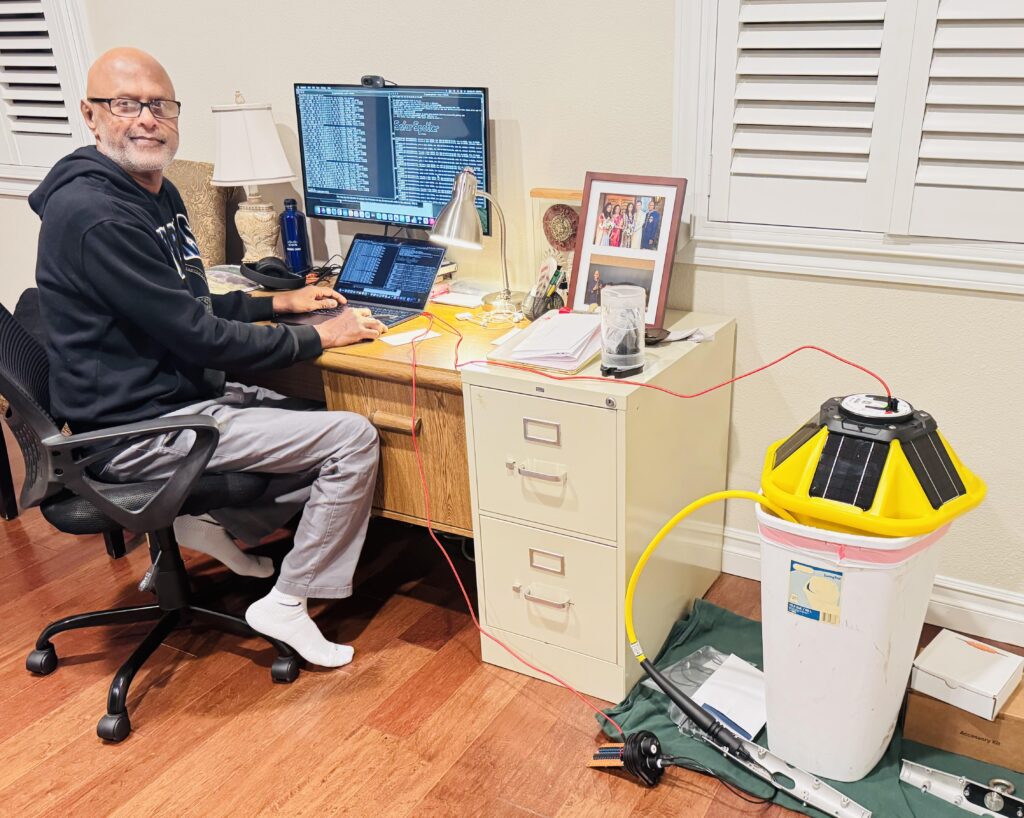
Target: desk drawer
(549, 587)
(545, 461)
(442, 438)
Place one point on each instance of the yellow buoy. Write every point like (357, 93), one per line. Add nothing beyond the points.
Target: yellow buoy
(868, 464)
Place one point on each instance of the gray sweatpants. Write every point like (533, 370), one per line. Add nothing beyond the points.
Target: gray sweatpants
(325, 461)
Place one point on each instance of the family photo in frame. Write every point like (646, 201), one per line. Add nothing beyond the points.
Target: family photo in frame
(628, 235)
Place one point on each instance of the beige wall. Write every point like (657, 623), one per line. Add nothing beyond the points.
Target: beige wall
(542, 62)
(557, 113)
(19, 230)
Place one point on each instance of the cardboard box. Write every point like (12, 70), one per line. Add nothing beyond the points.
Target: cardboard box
(966, 672)
(938, 724)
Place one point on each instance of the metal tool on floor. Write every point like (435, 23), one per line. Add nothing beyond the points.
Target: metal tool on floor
(642, 755)
(994, 798)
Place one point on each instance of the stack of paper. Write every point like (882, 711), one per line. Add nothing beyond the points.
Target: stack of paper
(560, 341)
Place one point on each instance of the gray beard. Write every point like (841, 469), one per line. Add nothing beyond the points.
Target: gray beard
(122, 157)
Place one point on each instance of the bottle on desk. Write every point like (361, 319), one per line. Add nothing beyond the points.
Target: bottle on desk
(294, 237)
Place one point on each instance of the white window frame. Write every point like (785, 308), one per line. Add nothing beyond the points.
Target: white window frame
(953, 263)
(67, 27)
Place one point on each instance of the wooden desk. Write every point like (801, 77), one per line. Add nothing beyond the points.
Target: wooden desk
(375, 380)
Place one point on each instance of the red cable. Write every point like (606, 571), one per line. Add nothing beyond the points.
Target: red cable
(458, 365)
(551, 376)
(437, 542)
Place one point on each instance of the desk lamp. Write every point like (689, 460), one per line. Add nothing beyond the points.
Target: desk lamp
(458, 225)
(249, 153)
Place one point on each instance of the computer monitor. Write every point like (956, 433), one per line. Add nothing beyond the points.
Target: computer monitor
(389, 155)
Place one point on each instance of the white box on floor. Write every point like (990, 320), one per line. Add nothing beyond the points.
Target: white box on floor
(966, 673)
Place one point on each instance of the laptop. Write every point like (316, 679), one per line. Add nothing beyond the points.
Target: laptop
(390, 276)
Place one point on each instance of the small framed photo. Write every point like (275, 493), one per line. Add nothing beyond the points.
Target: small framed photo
(627, 235)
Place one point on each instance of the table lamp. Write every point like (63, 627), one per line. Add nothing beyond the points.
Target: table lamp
(458, 225)
(249, 153)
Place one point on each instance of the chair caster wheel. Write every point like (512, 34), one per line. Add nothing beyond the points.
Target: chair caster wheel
(285, 669)
(42, 662)
(114, 728)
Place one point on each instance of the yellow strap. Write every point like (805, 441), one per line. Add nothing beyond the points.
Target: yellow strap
(734, 494)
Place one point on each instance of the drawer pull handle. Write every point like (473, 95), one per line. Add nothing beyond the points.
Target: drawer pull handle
(390, 422)
(540, 475)
(561, 606)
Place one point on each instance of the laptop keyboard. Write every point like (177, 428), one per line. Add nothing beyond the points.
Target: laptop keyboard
(389, 317)
(382, 314)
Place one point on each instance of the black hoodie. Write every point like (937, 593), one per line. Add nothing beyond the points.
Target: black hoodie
(132, 330)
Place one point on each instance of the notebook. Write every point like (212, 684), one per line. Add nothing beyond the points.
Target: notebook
(391, 277)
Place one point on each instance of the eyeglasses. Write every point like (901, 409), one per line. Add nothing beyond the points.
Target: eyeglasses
(132, 108)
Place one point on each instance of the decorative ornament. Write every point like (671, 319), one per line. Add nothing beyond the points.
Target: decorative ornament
(560, 223)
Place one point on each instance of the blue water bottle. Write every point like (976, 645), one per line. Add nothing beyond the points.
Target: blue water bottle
(295, 238)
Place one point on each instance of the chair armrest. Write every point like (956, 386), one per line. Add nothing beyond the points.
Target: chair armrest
(69, 466)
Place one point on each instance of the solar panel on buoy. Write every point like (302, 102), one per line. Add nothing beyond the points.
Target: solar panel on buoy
(849, 470)
(873, 464)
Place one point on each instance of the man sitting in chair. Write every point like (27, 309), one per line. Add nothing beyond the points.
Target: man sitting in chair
(134, 333)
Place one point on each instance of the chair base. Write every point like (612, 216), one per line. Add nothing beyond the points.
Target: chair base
(115, 725)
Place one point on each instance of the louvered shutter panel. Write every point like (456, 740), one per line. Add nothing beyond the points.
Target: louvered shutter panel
(806, 94)
(969, 177)
(34, 106)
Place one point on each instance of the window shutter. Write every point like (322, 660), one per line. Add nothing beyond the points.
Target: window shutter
(807, 96)
(968, 136)
(33, 99)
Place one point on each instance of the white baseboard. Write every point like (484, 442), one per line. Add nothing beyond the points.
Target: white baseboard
(991, 613)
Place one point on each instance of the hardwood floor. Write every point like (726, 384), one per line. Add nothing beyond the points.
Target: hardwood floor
(417, 725)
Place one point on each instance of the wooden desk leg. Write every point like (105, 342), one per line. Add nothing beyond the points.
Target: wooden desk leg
(114, 541)
(8, 499)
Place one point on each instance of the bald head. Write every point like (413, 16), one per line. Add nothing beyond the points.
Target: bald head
(142, 144)
(127, 67)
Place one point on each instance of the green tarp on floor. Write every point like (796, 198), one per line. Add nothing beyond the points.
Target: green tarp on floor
(881, 791)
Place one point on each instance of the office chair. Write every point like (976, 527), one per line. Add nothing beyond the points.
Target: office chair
(26, 313)
(57, 480)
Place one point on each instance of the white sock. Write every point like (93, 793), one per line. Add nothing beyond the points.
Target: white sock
(206, 535)
(285, 617)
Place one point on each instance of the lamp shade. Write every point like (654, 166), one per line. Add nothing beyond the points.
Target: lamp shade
(458, 223)
(248, 148)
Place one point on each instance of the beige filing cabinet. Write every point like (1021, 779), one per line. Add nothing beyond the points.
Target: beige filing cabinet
(570, 481)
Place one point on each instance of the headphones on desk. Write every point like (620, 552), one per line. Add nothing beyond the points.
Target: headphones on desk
(273, 274)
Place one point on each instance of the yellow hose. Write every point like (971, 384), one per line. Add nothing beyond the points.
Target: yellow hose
(734, 494)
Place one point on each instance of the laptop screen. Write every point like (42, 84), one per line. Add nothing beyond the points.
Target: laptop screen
(392, 271)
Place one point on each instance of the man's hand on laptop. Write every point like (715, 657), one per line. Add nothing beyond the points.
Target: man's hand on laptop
(354, 324)
(307, 299)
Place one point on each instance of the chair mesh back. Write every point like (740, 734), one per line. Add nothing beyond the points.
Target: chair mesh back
(23, 360)
(24, 382)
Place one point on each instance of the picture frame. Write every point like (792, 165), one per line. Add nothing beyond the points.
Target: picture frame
(620, 242)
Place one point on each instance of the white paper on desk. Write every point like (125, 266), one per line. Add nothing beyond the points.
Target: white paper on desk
(400, 338)
(458, 299)
(559, 336)
(736, 689)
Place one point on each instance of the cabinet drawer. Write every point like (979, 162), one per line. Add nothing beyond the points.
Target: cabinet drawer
(442, 438)
(549, 587)
(546, 461)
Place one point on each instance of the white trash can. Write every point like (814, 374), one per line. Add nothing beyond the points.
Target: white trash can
(841, 619)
